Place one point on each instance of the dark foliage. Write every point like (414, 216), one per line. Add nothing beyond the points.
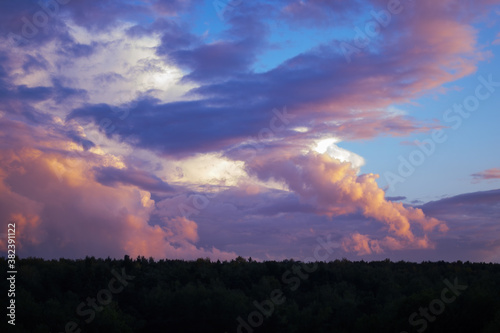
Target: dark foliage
(203, 296)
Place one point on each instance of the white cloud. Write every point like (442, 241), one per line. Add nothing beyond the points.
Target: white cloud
(329, 146)
(119, 69)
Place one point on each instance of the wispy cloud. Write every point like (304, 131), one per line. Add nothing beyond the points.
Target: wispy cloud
(489, 174)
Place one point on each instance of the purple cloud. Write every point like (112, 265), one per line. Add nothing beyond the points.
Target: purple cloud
(112, 176)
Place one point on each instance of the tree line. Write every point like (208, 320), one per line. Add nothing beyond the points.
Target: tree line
(242, 295)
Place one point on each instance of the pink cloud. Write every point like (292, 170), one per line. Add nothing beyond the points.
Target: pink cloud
(61, 209)
(334, 189)
(366, 245)
(493, 173)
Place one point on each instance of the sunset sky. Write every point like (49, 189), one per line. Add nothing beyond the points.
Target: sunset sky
(190, 128)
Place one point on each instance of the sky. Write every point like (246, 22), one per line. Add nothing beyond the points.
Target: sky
(190, 129)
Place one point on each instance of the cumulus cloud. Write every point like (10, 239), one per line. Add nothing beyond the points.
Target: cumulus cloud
(53, 191)
(334, 188)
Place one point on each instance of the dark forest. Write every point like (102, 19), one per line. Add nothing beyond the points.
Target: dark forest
(242, 295)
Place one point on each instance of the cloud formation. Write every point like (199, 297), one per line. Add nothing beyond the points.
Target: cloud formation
(116, 113)
(334, 188)
(62, 202)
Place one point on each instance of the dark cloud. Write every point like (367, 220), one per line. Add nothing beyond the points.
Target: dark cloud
(18, 99)
(34, 93)
(473, 219)
(468, 207)
(221, 60)
(216, 61)
(80, 140)
(27, 25)
(174, 35)
(111, 176)
(398, 198)
(176, 128)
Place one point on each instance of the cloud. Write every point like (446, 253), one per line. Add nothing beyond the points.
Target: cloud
(321, 13)
(334, 189)
(230, 101)
(173, 7)
(111, 176)
(325, 95)
(397, 198)
(474, 228)
(493, 173)
(220, 60)
(100, 15)
(478, 203)
(48, 189)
